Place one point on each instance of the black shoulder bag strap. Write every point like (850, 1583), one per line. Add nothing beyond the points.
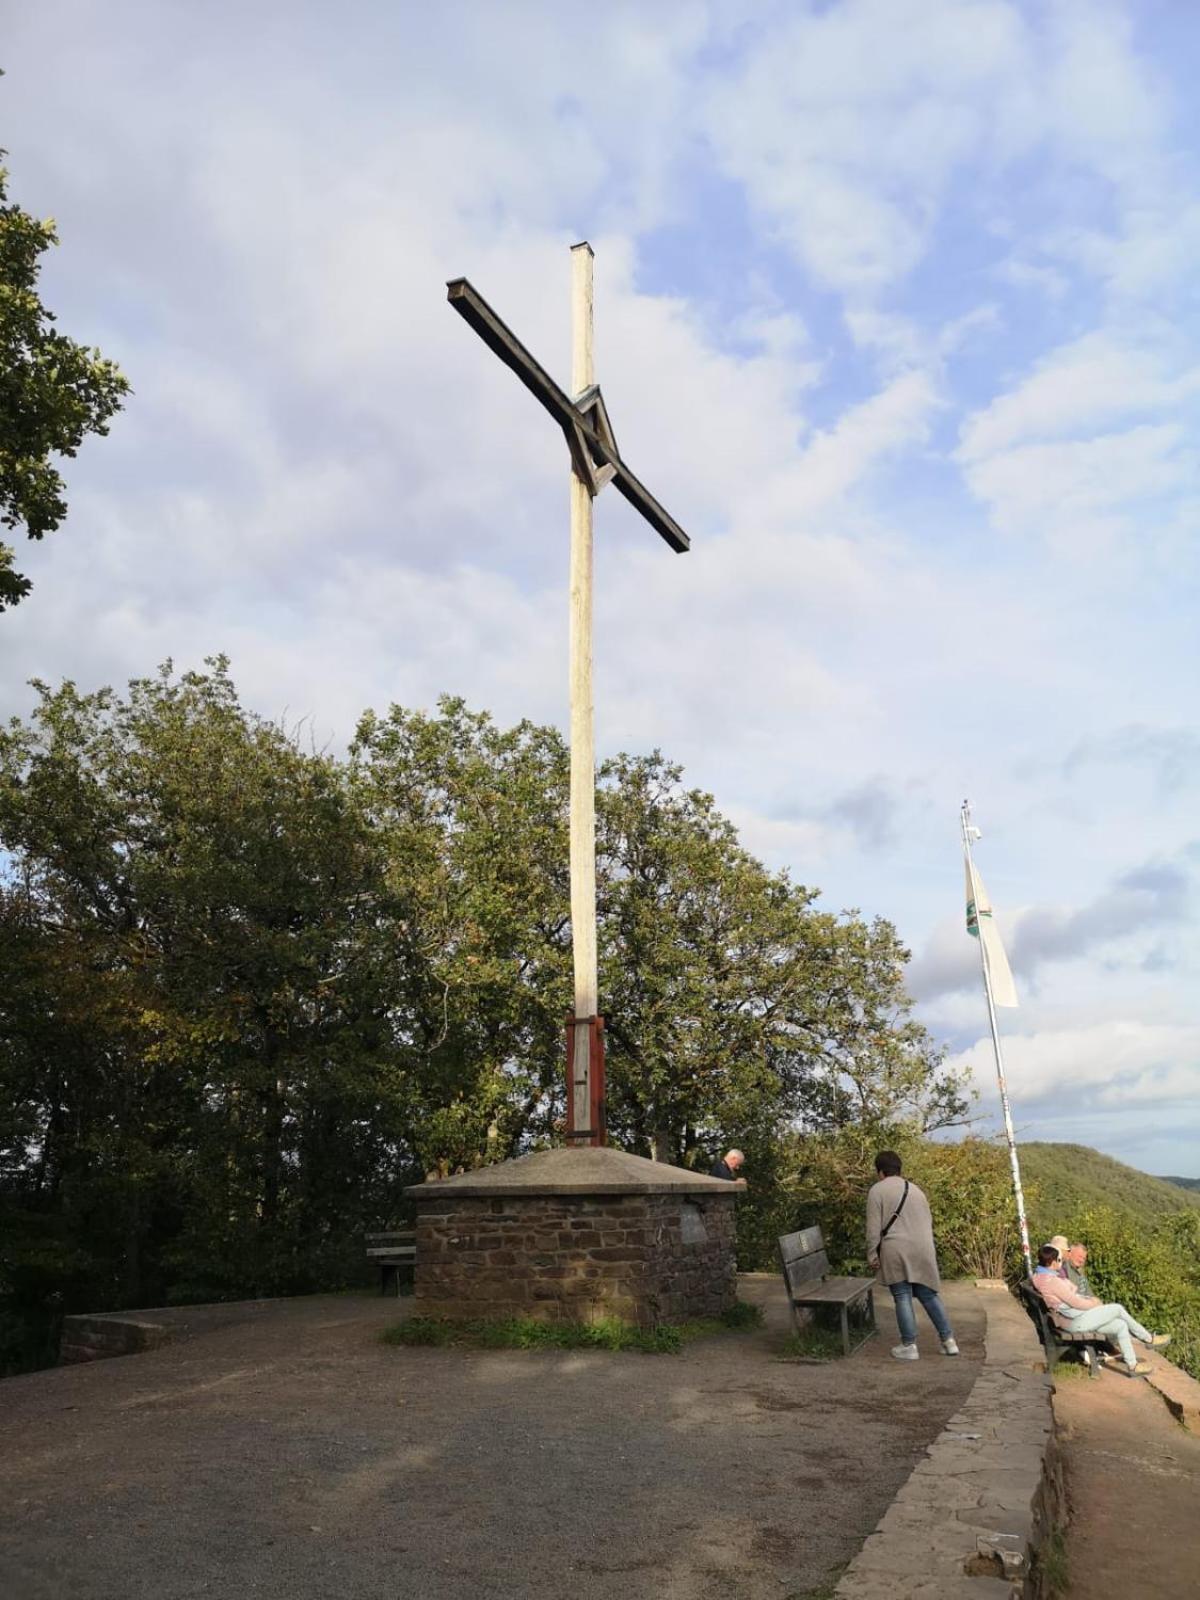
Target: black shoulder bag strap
(895, 1214)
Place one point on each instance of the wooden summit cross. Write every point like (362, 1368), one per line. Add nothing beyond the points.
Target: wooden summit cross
(595, 461)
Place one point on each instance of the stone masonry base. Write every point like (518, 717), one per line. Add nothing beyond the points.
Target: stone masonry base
(646, 1258)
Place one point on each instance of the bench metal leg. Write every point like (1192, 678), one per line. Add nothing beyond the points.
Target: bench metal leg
(845, 1329)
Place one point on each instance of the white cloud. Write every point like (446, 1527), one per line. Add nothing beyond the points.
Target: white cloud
(1111, 1065)
(1086, 386)
(816, 231)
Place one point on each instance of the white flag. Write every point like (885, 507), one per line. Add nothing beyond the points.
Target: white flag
(982, 925)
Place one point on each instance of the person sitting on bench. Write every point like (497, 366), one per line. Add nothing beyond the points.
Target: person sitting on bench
(1082, 1313)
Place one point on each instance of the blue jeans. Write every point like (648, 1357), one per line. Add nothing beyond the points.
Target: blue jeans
(902, 1294)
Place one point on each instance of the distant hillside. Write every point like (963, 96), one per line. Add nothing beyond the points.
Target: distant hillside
(1069, 1177)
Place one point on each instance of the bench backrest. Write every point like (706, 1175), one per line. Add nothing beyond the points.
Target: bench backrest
(380, 1241)
(802, 1257)
(1036, 1307)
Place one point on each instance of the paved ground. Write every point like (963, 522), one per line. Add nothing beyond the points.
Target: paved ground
(289, 1455)
(1133, 1480)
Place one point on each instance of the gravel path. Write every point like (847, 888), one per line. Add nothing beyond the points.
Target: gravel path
(279, 1450)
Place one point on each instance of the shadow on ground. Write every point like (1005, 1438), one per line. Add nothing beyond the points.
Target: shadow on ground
(285, 1453)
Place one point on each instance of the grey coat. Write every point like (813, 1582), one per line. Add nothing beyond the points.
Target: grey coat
(907, 1254)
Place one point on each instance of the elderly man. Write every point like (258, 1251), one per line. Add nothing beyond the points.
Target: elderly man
(728, 1166)
(1080, 1313)
(1074, 1259)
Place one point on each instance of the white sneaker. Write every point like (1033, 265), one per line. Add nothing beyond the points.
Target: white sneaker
(906, 1352)
(949, 1347)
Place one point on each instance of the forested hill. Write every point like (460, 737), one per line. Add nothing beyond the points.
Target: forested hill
(1184, 1183)
(1071, 1177)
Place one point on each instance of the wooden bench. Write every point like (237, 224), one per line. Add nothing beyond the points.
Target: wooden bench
(392, 1251)
(809, 1284)
(1057, 1341)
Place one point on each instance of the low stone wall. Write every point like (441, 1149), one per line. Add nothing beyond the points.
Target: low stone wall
(94, 1338)
(972, 1515)
(644, 1257)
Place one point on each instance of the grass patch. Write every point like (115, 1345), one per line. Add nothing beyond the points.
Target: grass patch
(526, 1333)
(813, 1343)
(1069, 1371)
(741, 1316)
(1050, 1564)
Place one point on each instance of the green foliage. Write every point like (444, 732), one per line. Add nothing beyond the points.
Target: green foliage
(742, 1316)
(814, 1343)
(53, 392)
(1071, 1176)
(1051, 1570)
(737, 1008)
(1183, 1183)
(823, 1179)
(249, 991)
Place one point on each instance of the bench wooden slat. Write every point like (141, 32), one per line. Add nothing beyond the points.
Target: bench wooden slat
(806, 1269)
(804, 1243)
(391, 1250)
(832, 1291)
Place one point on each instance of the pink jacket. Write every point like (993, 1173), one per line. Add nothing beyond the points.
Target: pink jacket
(1057, 1292)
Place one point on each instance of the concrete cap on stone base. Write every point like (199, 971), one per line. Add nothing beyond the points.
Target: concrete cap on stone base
(588, 1170)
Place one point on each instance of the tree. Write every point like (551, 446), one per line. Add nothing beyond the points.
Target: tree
(198, 1060)
(472, 820)
(736, 1009)
(53, 392)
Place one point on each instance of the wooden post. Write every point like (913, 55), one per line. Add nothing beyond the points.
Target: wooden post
(595, 461)
(583, 753)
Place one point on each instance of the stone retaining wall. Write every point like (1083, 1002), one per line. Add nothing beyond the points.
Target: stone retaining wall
(973, 1513)
(647, 1258)
(94, 1338)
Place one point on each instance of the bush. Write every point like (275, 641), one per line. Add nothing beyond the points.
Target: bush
(968, 1184)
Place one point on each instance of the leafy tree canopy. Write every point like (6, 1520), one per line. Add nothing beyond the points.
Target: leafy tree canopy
(249, 990)
(53, 392)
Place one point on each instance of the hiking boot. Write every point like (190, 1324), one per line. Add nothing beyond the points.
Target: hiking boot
(906, 1352)
(1159, 1341)
(1138, 1370)
(950, 1346)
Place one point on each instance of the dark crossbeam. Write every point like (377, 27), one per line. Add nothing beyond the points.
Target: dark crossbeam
(500, 338)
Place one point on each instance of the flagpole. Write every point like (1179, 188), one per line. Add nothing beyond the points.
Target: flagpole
(991, 1005)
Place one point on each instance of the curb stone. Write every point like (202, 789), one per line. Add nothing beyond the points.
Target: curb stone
(1179, 1392)
(988, 1490)
(95, 1338)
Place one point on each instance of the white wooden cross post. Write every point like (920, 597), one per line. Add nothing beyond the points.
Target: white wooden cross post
(595, 462)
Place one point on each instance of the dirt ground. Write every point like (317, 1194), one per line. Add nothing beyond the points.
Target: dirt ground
(1133, 1480)
(281, 1451)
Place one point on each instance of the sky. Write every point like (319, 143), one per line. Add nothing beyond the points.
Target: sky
(896, 312)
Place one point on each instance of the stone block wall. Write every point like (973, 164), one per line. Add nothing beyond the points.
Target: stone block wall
(94, 1338)
(647, 1258)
